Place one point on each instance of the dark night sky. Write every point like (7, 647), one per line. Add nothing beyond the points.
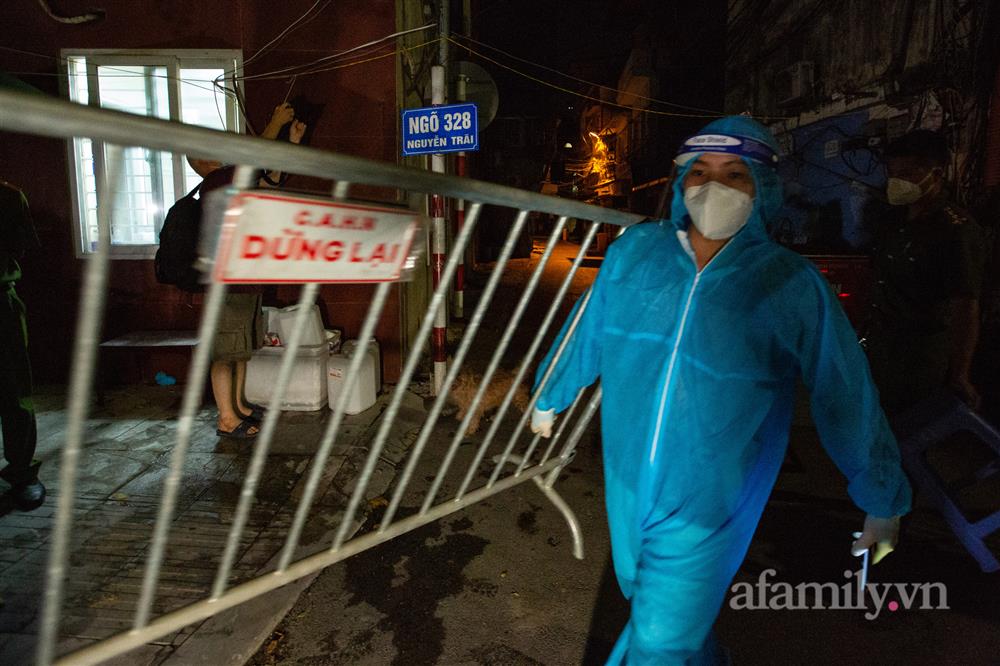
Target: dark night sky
(590, 39)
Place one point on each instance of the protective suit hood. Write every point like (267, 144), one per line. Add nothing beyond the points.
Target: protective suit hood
(769, 196)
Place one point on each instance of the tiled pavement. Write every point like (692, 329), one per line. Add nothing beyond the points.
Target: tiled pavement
(122, 468)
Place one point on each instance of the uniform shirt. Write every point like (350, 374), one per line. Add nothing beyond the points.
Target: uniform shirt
(17, 233)
(924, 263)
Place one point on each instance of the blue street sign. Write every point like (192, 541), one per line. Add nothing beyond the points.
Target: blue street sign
(440, 129)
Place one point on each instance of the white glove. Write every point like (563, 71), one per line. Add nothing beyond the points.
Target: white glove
(541, 422)
(883, 533)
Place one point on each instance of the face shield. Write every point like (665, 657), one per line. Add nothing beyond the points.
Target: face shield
(726, 143)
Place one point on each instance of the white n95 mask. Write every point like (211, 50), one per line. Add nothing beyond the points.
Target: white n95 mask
(717, 211)
(902, 192)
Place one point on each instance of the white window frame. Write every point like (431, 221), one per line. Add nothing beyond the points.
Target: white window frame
(230, 60)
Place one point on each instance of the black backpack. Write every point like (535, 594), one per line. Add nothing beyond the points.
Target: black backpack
(178, 251)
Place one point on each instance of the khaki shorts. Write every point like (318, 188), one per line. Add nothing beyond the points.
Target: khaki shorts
(240, 330)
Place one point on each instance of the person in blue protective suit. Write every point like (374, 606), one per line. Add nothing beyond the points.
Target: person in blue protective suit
(699, 328)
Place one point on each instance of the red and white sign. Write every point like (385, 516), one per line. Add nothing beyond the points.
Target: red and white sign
(272, 238)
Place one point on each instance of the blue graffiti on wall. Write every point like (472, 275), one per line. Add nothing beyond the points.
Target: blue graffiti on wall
(831, 174)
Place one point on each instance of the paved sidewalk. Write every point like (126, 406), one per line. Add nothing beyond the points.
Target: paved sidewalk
(122, 469)
(495, 583)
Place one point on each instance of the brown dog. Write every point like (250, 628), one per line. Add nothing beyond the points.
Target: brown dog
(465, 387)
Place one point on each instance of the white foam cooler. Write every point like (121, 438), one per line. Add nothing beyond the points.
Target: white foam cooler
(307, 388)
(364, 393)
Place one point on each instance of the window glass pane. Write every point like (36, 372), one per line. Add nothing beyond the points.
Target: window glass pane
(78, 80)
(147, 181)
(202, 103)
(134, 89)
(147, 189)
(86, 189)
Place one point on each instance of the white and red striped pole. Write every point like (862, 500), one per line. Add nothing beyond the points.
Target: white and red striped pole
(438, 246)
(460, 171)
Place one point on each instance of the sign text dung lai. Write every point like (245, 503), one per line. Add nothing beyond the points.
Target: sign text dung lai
(269, 238)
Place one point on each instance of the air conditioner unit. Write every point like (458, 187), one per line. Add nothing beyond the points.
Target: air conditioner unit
(794, 83)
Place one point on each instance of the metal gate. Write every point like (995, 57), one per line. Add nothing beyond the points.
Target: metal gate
(533, 460)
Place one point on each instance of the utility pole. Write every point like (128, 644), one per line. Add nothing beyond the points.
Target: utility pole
(461, 172)
(439, 97)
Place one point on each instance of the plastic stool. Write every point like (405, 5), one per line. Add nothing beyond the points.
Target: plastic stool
(929, 423)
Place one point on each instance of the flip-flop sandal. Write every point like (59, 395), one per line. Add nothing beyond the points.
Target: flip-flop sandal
(242, 431)
(256, 412)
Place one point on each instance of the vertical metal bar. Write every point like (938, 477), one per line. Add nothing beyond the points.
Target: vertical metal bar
(574, 438)
(193, 394)
(536, 343)
(437, 301)
(176, 160)
(456, 364)
(444, 33)
(541, 385)
(562, 427)
(341, 189)
(88, 327)
(512, 325)
(460, 171)
(332, 429)
(154, 157)
(263, 443)
(552, 441)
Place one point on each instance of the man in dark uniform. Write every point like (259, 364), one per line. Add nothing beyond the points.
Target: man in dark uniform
(929, 263)
(17, 412)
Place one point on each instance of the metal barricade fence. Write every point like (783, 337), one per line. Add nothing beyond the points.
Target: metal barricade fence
(58, 119)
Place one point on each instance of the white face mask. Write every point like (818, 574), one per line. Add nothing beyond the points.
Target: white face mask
(901, 192)
(717, 211)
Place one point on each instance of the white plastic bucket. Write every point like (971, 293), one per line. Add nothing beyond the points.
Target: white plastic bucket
(363, 395)
(372, 349)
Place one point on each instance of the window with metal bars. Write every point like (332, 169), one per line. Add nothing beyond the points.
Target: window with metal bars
(189, 86)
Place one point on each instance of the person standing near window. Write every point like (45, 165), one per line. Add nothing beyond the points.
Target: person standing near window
(240, 329)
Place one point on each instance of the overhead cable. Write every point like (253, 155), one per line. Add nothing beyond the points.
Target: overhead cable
(584, 81)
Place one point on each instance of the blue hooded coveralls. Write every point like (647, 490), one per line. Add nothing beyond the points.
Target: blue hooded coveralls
(698, 371)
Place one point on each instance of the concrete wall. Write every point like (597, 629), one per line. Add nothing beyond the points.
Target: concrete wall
(879, 69)
(359, 119)
(853, 45)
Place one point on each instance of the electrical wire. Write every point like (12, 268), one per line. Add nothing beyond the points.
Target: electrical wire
(212, 87)
(304, 68)
(241, 105)
(579, 80)
(585, 96)
(124, 72)
(311, 67)
(218, 87)
(284, 33)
